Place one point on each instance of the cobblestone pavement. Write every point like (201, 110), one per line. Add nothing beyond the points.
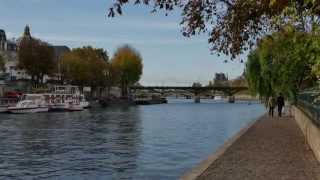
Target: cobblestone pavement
(272, 149)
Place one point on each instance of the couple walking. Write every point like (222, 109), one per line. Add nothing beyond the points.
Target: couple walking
(273, 102)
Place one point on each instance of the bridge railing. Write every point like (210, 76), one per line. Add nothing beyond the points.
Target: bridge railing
(309, 101)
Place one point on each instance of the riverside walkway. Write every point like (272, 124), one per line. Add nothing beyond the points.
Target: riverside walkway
(272, 149)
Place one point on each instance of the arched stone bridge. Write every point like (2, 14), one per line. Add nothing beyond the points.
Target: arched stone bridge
(196, 91)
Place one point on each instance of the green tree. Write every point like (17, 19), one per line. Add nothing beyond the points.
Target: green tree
(127, 63)
(283, 62)
(112, 77)
(233, 25)
(196, 84)
(73, 70)
(87, 66)
(36, 57)
(256, 81)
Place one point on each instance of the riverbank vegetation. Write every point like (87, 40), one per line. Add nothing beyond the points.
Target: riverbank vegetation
(36, 58)
(84, 66)
(284, 62)
(127, 64)
(88, 66)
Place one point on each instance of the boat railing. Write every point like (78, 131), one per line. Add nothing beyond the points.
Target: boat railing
(8, 101)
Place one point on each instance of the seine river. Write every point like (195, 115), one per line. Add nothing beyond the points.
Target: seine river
(139, 142)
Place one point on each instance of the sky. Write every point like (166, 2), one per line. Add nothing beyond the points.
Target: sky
(168, 57)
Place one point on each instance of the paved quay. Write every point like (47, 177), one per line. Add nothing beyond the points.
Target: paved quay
(271, 149)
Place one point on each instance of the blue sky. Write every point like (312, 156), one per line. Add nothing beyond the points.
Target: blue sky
(168, 57)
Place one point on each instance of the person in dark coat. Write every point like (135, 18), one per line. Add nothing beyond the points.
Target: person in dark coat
(280, 104)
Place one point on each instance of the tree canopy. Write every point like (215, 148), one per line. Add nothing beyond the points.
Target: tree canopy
(85, 66)
(233, 26)
(36, 57)
(283, 62)
(127, 62)
(196, 84)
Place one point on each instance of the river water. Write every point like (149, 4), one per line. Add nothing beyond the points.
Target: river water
(141, 142)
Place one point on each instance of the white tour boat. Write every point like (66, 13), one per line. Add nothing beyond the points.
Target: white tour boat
(83, 102)
(30, 103)
(75, 107)
(66, 98)
(218, 98)
(59, 107)
(57, 102)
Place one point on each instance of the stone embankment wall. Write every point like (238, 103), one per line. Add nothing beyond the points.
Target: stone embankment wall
(309, 129)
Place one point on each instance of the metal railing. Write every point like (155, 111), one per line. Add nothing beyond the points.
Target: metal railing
(309, 101)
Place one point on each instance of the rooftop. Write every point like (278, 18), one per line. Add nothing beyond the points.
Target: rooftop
(3, 36)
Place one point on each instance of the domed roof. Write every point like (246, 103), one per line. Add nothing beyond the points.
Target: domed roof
(3, 36)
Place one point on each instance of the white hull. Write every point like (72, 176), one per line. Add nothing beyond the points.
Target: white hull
(75, 107)
(59, 107)
(16, 110)
(85, 104)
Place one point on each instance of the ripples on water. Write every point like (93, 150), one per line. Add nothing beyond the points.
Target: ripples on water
(141, 142)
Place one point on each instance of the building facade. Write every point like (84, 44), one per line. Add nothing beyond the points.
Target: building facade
(9, 51)
(220, 79)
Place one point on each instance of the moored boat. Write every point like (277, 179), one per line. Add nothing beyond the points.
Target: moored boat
(75, 107)
(59, 107)
(30, 103)
(60, 97)
(149, 100)
(27, 106)
(57, 102)
(83, 102)
(218, 98)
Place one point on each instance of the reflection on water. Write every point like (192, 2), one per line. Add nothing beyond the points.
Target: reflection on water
(142, 142)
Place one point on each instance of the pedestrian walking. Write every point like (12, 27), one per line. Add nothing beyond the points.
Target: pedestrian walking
(271, 105)
(280, 104)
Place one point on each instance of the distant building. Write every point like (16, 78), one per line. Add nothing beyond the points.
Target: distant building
(239, 81)
(59, 51)
(220, 79)
(3, 40)
(9, 50)
(5, 44)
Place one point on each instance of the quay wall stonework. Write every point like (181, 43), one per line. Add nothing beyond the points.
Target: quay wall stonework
(309, 129)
